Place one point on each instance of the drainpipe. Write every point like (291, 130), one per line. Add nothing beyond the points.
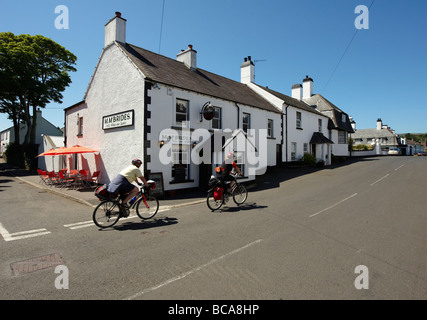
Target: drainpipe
(238, 115)
(286, 130)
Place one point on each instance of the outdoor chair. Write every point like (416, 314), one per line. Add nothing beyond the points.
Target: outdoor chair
(54, 179)
(94, 179)
(64, 181)
(44, 178)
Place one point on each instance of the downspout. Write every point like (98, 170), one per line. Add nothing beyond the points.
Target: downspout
(286, 130)
(238, 115)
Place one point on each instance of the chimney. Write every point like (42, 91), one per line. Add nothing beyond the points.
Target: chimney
(297, 91)
(188, 57)
(115, 30)
(379, 124)
(307, 87)
(247, 71)
(353, 123)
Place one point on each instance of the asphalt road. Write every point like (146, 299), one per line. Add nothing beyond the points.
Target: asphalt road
(301, 238)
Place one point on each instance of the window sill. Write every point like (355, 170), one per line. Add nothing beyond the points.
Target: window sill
(298, 128)
(271, 138)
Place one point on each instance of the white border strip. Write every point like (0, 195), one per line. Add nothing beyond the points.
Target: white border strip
(334, 205)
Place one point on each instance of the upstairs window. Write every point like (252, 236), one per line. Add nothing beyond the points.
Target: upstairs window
(246, 122)
(299, 120)
(216, 120)
(80, 126)
(270, 128)
(181, 111)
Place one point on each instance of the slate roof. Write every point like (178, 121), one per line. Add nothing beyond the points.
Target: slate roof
(292, 101)
(319, 138)
(367, 134)
(171, 72)
(332, 111)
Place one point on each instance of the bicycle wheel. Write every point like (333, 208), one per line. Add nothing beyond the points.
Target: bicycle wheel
(212, 203)
(147, 207)
(240, 194)
(106, 214)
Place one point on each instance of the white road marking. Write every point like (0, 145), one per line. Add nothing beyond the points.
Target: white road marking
(183, 275)
(380, 179)
(334, 205)
(22, 234)
(399, 167)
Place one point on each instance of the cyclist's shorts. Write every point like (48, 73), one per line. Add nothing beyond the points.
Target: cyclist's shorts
(121, 185)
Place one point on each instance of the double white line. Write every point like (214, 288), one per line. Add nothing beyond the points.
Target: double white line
(21, 235)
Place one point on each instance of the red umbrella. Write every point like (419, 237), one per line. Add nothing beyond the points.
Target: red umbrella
(77, 149)
(52, 152)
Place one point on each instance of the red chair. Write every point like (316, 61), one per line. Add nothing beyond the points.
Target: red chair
(54, 180)
(64, 181)
(94, 179)
(43, 176)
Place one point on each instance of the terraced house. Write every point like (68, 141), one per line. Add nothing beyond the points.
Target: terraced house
(140, 104)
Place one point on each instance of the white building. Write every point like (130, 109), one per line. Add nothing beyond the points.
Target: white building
(44, 127)
(140, 104)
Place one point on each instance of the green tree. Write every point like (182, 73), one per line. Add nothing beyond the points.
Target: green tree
(34, 70)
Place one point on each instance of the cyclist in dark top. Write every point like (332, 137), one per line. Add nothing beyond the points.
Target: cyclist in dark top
(226, 167)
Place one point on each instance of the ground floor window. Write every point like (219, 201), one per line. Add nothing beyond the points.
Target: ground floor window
(293, 151)
(180, 162)
(240, 161)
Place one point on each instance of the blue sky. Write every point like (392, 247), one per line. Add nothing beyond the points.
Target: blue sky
(382, 74)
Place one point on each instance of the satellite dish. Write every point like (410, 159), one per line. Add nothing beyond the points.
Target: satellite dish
(208, 111)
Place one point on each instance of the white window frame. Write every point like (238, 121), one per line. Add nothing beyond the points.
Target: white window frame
(217, 118)
(246, 125)
(270, 128)
(299, 120)
(293, 151)
(186, 104)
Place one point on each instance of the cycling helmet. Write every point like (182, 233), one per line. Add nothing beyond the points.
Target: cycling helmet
(136, 162)
(230, 156)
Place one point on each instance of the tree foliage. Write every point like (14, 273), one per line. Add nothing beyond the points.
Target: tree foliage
(34, 71)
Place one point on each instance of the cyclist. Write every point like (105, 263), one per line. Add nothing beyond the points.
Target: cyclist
(123, 182)
(226, 168)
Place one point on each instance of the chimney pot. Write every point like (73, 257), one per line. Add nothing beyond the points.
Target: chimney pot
(245, 59)
(190, 46)
(118, 14)
(249, 58)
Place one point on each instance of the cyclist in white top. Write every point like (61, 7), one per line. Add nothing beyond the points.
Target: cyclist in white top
(123, 182)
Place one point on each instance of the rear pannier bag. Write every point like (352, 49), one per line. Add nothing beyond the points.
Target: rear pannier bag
(102, 193)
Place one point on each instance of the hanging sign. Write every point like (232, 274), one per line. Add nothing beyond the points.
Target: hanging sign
(117, 120)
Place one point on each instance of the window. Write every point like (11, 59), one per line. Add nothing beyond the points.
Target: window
(180, 162)
(240, 161)
(216, 120)
(299, 120)
(80, 126)
(270, 128)
(320, 125)
(181, 113)
(293, 151)
(246, 122)
(342, 137)
(343, 118)
(306, 148)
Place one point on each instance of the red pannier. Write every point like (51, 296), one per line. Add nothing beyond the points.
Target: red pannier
(102, 193)
(218, 193)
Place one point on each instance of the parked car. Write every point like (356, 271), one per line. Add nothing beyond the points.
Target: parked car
(420, 154)
(394, 151)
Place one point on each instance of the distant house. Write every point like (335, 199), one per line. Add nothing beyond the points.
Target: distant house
(339, 124)
(382, 134)
(44, 127)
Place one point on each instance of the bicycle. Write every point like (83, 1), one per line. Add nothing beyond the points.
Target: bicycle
(111, 208)
(218, 195)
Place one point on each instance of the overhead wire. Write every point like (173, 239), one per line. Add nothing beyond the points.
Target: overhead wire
(345, 51)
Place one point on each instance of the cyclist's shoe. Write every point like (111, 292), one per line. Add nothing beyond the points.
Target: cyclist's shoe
(125, 210)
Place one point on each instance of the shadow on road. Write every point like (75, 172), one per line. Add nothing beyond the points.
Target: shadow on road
(243, 207)
(147, 224)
